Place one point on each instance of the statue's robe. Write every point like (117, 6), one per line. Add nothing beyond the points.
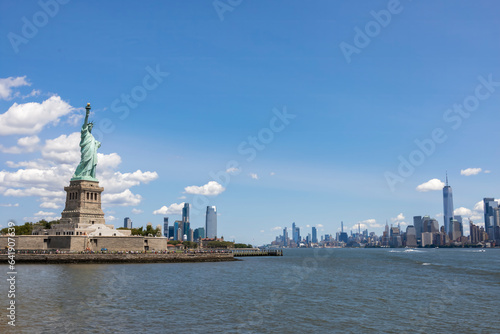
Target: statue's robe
(88, 149)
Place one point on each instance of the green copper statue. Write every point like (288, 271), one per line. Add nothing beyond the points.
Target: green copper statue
(88, 149)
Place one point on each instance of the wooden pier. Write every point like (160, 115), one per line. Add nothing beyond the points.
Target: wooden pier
(257, 252)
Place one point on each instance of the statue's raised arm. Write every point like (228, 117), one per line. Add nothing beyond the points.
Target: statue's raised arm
(86, 170)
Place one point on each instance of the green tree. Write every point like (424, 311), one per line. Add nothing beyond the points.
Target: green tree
(220, 244)
(238, 245)
(190, 244)
(25, 229)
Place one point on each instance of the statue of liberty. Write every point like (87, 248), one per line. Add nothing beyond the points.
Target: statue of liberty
(88, 149)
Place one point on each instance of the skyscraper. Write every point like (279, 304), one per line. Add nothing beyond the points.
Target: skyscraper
(314, 235)
(417, 223)
(185, 229)
(491, 216)
(199, 233)
(411, 236)
(165, 227)
(127, 222)
(185, 213)
(176, 230)
(211, 222)
(296, 233)
(285, 237)
(447, 206)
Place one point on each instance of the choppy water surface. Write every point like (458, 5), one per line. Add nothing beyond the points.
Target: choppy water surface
(330, 291)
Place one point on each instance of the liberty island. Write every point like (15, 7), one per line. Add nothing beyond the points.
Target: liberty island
(82, 230)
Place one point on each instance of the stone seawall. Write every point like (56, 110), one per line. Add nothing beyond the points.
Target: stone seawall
(117, 258)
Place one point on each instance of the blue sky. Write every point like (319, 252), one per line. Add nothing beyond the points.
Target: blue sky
(204, 77)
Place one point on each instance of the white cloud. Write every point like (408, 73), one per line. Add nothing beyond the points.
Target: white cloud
(276, 228)
(118, 182)
(63, 149)
(173, 209)
(33, 191)
(254, 176)
(43, 215)
(461, 211)
(262, 231)
(137, 211)
(359, 226)
(319, 225)
(125, 198)
(9, 205)
(24, 145)
(110, 218)
(487, 171)
(34, 92)
(308, 225)
(7, 84)
(233, 170)
(30, 118)
(470, 171)
(272, 173)
(399, 217)
(50, 205)
(479, 206)
(430, 185)
(212, 188)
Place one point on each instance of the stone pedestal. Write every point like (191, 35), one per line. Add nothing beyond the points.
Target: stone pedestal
(83, 203)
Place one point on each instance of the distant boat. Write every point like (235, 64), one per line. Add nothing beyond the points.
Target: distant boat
(482, 250)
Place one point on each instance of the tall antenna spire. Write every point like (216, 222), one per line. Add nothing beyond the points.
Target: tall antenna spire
(447, 178)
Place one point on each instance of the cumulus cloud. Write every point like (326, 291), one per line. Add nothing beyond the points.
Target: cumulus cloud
(319, 225)
(24, 145)
(64, 149)
(470, 171)
(360, 225)
(276, 228)
(43, 215)
(30, 118)
(434, 184)
(173, 209)
(124, 198)
(9, 205)
(110, 218)
(118, 182)
(233, 170)
(212, 188)
(6, 85)
(399, 217)
(254, 176)
(137, 211)
(50, 205)
(461, 211)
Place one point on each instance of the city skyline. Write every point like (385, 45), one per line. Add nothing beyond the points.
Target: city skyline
(301, 117)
